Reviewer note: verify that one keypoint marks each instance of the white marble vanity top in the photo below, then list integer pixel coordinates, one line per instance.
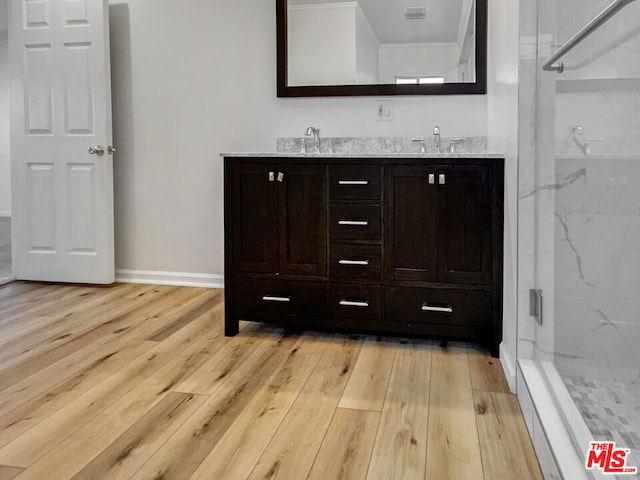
(375, 147)
(360, 155)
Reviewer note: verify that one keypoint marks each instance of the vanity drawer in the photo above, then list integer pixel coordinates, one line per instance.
(279, 297)
(355, 260)
(438, 306)
(354, 222)
(354, 182)
(355, 301)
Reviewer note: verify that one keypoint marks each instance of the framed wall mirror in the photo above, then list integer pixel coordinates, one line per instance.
(381, 47)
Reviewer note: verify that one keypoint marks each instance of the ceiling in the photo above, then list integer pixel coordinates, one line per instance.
(387, 19)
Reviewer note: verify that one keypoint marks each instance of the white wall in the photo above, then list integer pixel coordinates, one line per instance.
(502, 129)
(5, 173)
(195, 78)
(418, 59)
(349, 55)
(366, 50)
(4, 23)
(467, 62)
(315, 57)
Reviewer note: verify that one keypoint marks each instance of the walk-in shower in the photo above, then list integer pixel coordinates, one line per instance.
(579, 225)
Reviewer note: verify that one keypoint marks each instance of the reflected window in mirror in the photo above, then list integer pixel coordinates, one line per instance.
(381, 47)
(420, 80)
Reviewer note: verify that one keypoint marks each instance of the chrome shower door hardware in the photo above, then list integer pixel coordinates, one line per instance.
(553, 64)
(535, 304)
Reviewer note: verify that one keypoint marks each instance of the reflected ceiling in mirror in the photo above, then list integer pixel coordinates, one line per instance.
(381, 47)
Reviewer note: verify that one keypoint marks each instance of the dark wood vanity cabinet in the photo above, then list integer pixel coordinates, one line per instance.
(437, 224)
(277, 226)
(411, 246)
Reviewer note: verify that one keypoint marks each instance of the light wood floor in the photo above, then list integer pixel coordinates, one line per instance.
(138, 381)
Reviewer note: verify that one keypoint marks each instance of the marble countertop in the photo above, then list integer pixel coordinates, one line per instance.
(360, 155)
(373, 147)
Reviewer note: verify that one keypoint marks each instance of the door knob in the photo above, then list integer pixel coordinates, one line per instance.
(97, 150)
(111, 150)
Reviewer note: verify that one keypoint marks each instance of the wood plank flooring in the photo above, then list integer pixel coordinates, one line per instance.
(139, 382)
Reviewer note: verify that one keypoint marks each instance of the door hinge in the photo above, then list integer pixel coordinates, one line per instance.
(535, 304)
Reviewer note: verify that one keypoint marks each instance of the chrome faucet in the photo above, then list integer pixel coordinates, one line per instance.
(316, 138)
(453, 143)
(575, 131)
(436, 138)
(423, 146)
(584, 147)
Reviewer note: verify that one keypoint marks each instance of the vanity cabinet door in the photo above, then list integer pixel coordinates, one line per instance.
(464, 224)
(410, 213)
(438, 223)
(303, 219)
(254, 206)
(279, 218)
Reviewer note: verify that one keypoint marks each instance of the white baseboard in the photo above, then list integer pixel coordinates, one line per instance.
(509, 368)
(181, 279)
(5, 214)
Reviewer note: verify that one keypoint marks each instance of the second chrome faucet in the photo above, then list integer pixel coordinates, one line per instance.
(436, 139)
(585, 146)
(316, 138)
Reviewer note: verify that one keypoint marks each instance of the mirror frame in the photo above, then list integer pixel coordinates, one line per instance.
(478, 87)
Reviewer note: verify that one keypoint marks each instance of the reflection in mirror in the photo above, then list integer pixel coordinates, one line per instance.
(380, 41)
(390, 43)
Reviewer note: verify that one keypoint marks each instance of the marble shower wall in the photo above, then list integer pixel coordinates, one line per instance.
(596, 251)
(608, 112)
(579, 215)
(597, 267)
(597, 226)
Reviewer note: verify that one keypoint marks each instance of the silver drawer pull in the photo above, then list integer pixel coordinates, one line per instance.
(270, 298)
(344, 261)
(353, 303)
(353, 182)
(357, 223)
(427, 308)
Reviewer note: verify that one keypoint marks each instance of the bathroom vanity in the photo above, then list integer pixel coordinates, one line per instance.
(398, 244)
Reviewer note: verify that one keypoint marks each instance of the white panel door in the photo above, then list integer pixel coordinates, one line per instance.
(60, 111)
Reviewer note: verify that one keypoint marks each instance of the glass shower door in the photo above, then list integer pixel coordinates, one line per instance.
(586, 197)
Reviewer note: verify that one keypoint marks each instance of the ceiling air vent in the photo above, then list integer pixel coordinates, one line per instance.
(415, 13)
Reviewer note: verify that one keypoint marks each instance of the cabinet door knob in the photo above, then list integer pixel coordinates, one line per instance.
(441, 179)
(272, 176)
(428, 308)
(280, 177)
(432, 179)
